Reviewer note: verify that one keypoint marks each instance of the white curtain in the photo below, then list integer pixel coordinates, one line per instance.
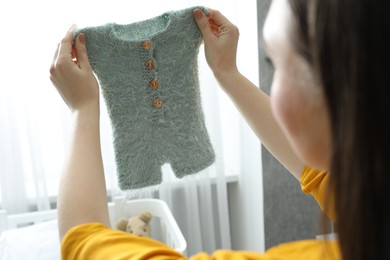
(34, 121)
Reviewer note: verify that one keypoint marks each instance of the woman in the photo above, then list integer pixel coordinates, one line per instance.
(326, 111)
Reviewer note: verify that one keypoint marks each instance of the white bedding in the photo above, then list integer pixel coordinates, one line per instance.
(35, 242)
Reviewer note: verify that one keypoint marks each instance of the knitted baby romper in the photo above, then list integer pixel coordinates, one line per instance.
(148, 75)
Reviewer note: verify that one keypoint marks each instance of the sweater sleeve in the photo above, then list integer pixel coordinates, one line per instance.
(94, 241)
(316, 183)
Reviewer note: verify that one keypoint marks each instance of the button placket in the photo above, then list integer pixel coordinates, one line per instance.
(150, 65)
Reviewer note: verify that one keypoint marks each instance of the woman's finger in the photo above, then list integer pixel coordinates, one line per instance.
(204, 25)
(66, 45)
(54, 58)
(217, 17)
(81, 52)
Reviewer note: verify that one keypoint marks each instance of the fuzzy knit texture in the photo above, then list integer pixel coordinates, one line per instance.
(148, 74)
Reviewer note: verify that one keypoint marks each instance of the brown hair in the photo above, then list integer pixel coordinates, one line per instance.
(347, 43)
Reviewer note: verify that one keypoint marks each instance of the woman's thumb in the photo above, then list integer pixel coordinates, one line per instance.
(81, 51)
(203, 24)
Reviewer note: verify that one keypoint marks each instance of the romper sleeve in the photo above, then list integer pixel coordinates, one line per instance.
(316, 183)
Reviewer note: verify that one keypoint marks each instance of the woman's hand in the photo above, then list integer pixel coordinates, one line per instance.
(220, 38)
(72, 74)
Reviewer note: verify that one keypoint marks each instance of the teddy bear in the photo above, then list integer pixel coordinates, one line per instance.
(138, 225)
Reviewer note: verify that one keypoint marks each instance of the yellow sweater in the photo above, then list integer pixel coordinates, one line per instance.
(95, 241)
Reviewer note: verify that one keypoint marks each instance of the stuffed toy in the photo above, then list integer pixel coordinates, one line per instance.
(137, 225)
(148, 74)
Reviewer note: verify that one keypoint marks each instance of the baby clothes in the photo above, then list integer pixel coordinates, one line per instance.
(148, 75)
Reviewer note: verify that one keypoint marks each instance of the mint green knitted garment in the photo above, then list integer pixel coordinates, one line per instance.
(148, 75)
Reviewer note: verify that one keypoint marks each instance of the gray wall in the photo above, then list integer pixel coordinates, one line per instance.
(289, 214)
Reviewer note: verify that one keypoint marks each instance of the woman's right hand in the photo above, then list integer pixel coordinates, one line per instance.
(220, 37)
(72, 75)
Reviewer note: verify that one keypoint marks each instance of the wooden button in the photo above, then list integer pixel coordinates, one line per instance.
(150, 64)
(157, 103)
(154, 84)
(146, 45)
